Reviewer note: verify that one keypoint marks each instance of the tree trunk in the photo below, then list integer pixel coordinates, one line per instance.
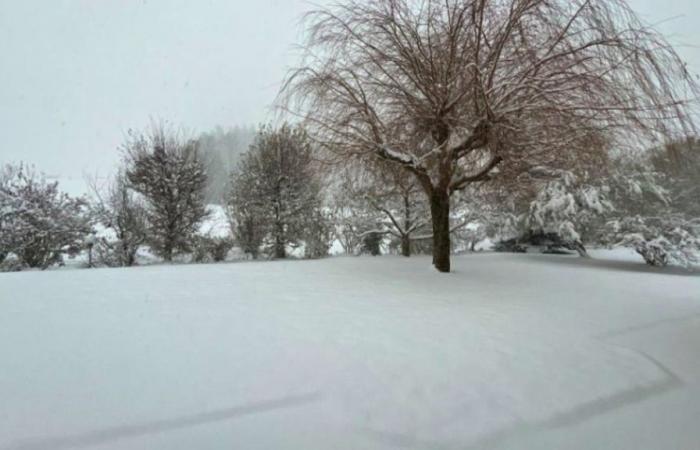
(582, 250)
(128, 255)
(405, 245)
(280, 252)
(440, 212)
(168, 252)
(405, 238)
(170, 238)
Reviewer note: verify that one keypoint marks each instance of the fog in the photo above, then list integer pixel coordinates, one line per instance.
(76, 75)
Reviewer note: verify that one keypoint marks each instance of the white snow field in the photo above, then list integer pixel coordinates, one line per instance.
(508, 352)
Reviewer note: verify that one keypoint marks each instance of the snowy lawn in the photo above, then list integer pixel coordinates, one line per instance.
(509, 351)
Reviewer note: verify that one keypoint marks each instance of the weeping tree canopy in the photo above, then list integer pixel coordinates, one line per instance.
(461, 91)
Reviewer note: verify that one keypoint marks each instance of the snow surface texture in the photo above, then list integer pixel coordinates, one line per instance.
(509, 351)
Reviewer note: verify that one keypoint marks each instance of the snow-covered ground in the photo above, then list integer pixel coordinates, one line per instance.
(508, 352)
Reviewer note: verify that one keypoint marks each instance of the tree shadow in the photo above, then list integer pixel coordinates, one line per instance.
(107, 435)
(612, 264)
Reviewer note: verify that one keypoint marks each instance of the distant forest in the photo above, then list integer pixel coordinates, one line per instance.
(220, 151)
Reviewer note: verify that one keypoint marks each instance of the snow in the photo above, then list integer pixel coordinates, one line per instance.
(216, 224)
(509, 351)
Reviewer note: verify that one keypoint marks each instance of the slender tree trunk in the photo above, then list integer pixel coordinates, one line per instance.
(582, 250)
(170, 237)
(280, 252)
(405, 238)
(128, 254)
(169, 246)
(124, 252)
(168, 252)
(440, 212)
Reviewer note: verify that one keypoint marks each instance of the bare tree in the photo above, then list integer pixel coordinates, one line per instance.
(396, 197)
(460, 91)
(116, 207)
(350, 215)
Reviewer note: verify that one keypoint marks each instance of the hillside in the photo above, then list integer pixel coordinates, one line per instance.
(509, 351)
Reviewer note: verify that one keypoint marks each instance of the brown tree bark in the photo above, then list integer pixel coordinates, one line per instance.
(440, 212)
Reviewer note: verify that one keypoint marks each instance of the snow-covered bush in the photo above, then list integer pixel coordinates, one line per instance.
(648, 219)
(38, 223)
(106, 253)
(659, 240)
(211, 248)
(565, 209)
(11, 264)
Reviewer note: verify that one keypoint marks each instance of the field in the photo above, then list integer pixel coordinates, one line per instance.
(507, 352)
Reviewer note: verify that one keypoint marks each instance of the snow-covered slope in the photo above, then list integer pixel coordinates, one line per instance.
(509, 351)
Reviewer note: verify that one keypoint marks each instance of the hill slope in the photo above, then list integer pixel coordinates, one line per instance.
(510, 351)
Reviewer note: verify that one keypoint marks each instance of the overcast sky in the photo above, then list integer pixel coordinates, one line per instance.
(76, 74)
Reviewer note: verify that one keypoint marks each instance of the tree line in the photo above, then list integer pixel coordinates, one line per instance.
(158, 200)
(282, 197)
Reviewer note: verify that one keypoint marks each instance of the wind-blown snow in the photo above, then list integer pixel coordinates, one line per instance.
(509, 351)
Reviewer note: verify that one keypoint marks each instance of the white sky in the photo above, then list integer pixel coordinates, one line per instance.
(76, 74)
